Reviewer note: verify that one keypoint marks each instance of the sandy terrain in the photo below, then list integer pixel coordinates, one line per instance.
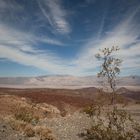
(58, 110)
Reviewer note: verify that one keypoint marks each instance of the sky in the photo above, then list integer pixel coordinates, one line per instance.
(61, 37)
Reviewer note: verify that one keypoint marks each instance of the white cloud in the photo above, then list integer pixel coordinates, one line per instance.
(55, 14)
(22, 46)
(9, 10)
(49, 41)
(23, 40)
(46, 61)
(125, 35)
(24, 58)
(19, 46)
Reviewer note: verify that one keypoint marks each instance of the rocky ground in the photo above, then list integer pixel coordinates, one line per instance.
(69, 127)
(63, 125)
(66, 127)
(7, 133)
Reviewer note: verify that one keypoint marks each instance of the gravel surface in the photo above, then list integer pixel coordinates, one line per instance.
(68, 128)
(7, 133)
(64, 128)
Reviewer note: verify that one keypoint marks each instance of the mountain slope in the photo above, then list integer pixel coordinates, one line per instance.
(63, 82)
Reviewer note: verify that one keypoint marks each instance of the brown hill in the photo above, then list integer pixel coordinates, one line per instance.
(59, 97)
(129, 93)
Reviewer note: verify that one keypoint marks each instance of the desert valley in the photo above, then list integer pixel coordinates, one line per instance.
(69, 69)
(56, 112)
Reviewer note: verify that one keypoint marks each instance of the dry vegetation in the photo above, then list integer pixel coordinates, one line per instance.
(55, 114)
(31, 130)
(24, 116)
(110, 124)
(34, 118)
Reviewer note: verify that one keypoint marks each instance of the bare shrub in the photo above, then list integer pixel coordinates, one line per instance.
(29, 130)
(111, 125)
(26, 114)
(25, 120)
(92, 110)
(17, 124)
(44, 133)
(63, 113)
(110, 68)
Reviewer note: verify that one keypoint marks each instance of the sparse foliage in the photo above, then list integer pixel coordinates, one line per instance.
(110, 67)
(111, 125)
(26, 114)
(44, 133)
(29, 131)
(26, 121)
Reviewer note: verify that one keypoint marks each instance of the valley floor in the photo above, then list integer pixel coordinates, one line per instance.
(65, 121)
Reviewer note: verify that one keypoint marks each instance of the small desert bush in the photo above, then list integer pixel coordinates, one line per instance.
(41, 132)
(92, 110)
(63, 113)
(25, 120)
(112, 124)
(29, 130)
(21, 126)
(44, 133)
(16, 124)
(26, 114)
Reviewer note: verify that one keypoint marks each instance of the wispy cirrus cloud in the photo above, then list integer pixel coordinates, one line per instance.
(23, 40)
(19, 47)
(11, 22)
(56, 15)
(46, 61)
(125, 35)
(10, 10)
(23, 47)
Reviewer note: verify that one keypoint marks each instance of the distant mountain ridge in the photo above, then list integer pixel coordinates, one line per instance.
(64, 81)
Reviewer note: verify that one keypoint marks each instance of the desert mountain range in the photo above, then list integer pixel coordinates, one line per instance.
(65, 81)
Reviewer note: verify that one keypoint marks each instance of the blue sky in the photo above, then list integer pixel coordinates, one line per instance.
(46, 37)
